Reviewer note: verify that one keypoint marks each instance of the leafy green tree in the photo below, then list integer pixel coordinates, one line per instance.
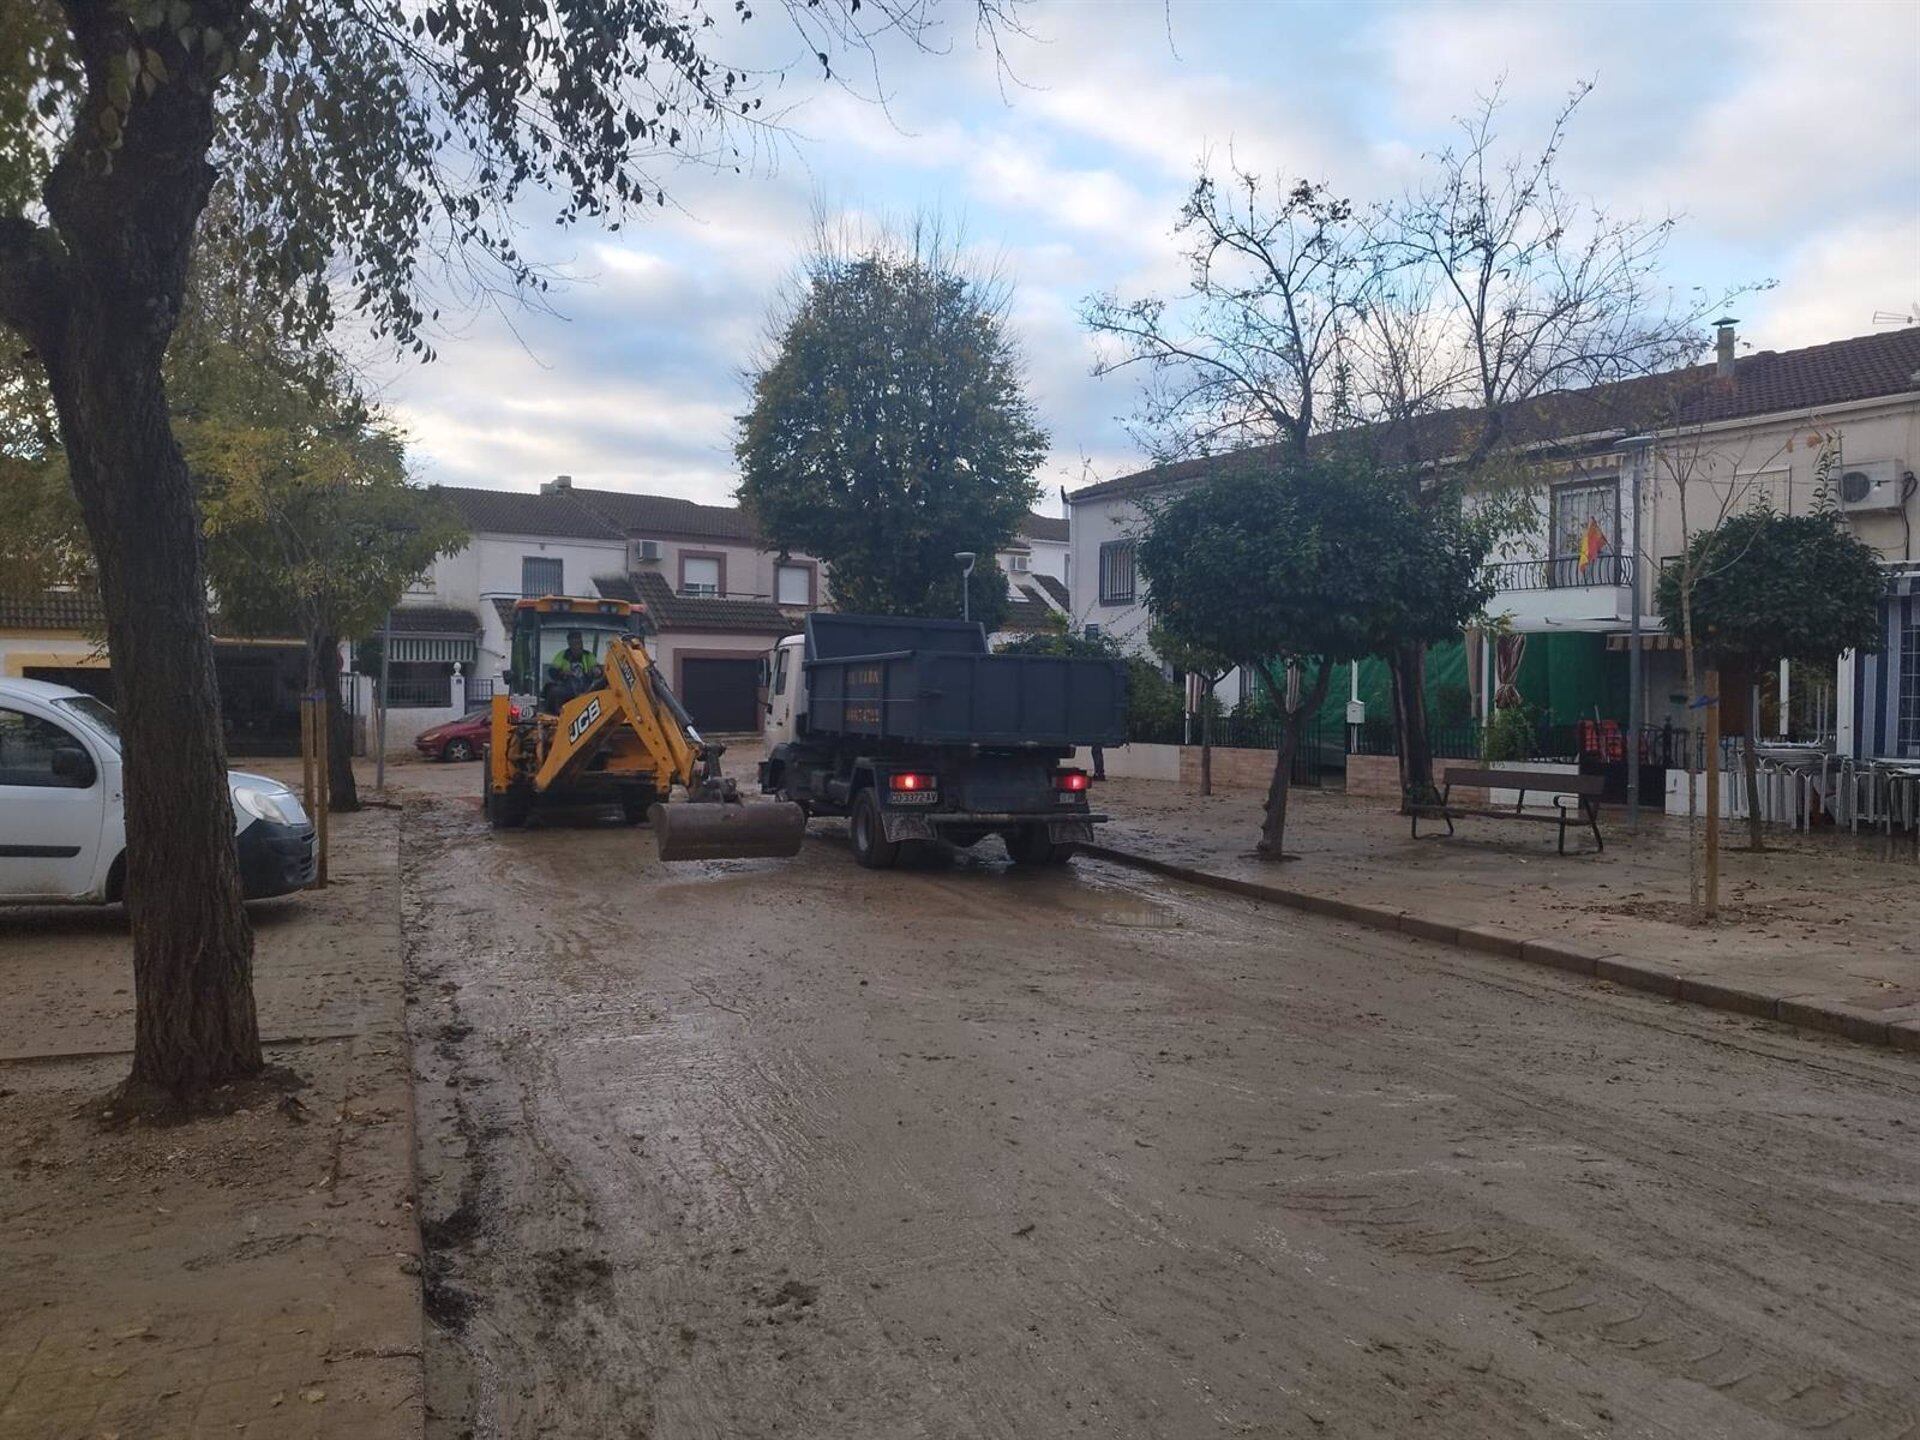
(42, 543)
(1212, 667)
(890, 430)
(311, 525)
(372, 149)
(1306, 564)
(1767, 587)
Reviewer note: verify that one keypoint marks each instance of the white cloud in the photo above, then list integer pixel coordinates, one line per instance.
(1790, 134)
(1834, 283)
(1823, 114)
(1439, 60)
(1016, 174)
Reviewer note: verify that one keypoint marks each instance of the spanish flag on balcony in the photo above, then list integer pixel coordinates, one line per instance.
(1593, 540)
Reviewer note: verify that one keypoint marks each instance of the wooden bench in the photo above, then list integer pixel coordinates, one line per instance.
(1575, 798)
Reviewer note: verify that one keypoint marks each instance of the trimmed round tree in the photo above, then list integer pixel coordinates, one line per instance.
(1767, 587)
(892, 429)
(1307, 563)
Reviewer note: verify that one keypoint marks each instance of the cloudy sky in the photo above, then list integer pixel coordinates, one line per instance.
(1786, 135)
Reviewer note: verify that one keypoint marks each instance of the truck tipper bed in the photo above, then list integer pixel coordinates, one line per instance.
(920, 735)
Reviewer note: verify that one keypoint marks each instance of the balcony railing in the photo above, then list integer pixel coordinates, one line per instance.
(1562, 573)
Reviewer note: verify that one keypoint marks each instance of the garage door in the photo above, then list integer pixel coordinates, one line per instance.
(722, 696)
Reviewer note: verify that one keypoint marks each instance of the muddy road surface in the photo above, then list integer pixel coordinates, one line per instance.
(762, 1149)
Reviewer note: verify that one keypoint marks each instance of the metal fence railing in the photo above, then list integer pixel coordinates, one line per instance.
(434, 693)
(1561, 572)
(1466, 740)
(479, 690)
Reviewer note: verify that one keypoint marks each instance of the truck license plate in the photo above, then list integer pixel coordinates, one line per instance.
(914, 797)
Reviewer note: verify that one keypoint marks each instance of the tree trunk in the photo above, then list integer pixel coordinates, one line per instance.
(342, 790)
(1412, 745)
(194, 1022)
(1273, 828)
(1750, 762)
(1710, 904)
(1206, 744)
(97, 293)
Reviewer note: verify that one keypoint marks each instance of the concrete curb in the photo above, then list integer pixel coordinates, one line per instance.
(1633, 972)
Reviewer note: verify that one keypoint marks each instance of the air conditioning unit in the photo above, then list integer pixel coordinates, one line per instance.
(643, 552)
(1876, 485)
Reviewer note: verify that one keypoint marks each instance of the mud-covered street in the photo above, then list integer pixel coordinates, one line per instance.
(790, 1148)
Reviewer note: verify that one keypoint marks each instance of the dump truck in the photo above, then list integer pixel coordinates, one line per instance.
(589, 721)
(920, 736)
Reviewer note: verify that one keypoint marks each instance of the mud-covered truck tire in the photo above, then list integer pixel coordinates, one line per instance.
(869, 830)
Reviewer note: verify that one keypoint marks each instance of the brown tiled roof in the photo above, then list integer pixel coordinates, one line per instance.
(519, 512)
(669, 611)
(53, 610)
(1044, 527)
(643, 516)
(434, 620)
(1771, 382)
(81, 610)
(616, 587)
(1056, 588)
(1027, 612)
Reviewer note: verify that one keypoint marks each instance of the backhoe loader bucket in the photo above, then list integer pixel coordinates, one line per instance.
(708, 830)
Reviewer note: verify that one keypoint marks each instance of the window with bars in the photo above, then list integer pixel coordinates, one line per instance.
(1579, 510)
(1910, 683)
(1116, 572)
(542, 575)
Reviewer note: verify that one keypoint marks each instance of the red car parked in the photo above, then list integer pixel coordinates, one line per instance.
(460, 739)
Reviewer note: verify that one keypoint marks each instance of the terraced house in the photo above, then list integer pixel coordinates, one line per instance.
(716, 595)
(1606, 473)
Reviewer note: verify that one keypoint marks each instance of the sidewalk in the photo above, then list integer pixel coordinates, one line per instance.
(1820, 930)
(251, 1276)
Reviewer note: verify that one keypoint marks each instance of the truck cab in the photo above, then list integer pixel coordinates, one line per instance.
(786, 690)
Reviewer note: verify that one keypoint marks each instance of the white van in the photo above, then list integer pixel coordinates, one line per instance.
(63, 828)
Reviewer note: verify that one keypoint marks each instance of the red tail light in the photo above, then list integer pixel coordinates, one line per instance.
(1073, 780)
(910, 781)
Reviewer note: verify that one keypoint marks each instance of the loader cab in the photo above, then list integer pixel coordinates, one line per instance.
(541, 627)
(786, 690)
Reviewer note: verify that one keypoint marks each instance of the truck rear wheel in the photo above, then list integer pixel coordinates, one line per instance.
(1033, 845)
(870, 844)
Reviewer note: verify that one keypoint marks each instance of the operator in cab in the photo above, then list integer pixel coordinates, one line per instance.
(574, 671)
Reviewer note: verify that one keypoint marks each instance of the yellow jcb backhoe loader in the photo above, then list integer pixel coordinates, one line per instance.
(602, 727)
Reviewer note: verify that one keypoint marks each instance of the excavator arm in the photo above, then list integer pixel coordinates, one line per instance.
(633, 696)
(636, 722)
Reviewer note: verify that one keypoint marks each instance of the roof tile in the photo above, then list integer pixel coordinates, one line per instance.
(668, 611)
(1772, 382)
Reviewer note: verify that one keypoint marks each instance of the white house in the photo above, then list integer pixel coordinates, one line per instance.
(1769, 426)
(1036, 565)
(716, 597)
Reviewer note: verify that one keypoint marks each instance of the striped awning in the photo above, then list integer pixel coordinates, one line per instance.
(458, 649)
(1649, 640)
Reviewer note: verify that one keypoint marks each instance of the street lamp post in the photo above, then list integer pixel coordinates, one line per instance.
(966, 559)
(1636, 678)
